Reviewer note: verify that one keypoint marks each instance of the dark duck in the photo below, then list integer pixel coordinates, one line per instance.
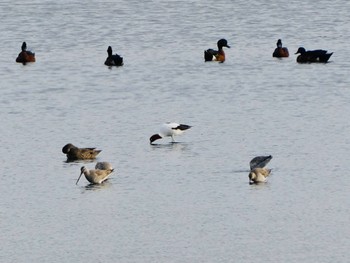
(280, 51)
(113, 60)
(216, 55)
(310, 56)
(25, 55)
(74, 153)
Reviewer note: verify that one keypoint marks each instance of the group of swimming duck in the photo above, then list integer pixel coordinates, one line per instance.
(26, 56)
(309, 56)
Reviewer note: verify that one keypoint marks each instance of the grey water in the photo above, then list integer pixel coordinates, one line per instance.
(189, 201)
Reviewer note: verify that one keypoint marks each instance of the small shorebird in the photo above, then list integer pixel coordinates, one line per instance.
(260, 161)
(74, 153)
(259, 175)
(95, 176)
(169, 129)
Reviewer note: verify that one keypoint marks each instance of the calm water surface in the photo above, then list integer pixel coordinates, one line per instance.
(183, 202)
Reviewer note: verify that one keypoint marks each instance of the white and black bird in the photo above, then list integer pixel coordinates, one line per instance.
(169, 129)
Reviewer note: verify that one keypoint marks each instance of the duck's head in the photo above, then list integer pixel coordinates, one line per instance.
(154, 137)
(223, 43)
(24, 46)
(252, 176)
(83, 169)
(279, 43)
(301, 50)
(67, 148)
(109, 51)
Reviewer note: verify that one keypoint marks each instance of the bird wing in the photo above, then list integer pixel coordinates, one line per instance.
(181, 127)
(260, 161)
(103, 174)
(212, 52)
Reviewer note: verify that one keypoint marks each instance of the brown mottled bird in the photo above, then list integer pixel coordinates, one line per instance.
(74, 153)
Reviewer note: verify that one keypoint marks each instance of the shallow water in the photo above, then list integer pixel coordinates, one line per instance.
(183, 202)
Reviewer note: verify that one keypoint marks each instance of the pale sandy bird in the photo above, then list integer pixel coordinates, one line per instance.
(169, 129)
(74, 153)
(95, 176)
(259, 175)
(260, 161)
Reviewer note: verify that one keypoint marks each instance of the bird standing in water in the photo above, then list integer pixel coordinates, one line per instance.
(258, 172)
(169, 129)
(95, 176)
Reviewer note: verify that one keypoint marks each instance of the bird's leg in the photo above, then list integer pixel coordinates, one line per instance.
(172, 139)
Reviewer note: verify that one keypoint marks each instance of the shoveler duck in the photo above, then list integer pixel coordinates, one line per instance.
(216, 55)
(74, 153)
(113, 60)
(25, 55)
(280, 52)
(310, 56)
(169, 129)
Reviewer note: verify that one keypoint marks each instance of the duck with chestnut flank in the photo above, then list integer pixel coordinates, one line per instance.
(280, 52)
(25, 55)
(216, 55)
